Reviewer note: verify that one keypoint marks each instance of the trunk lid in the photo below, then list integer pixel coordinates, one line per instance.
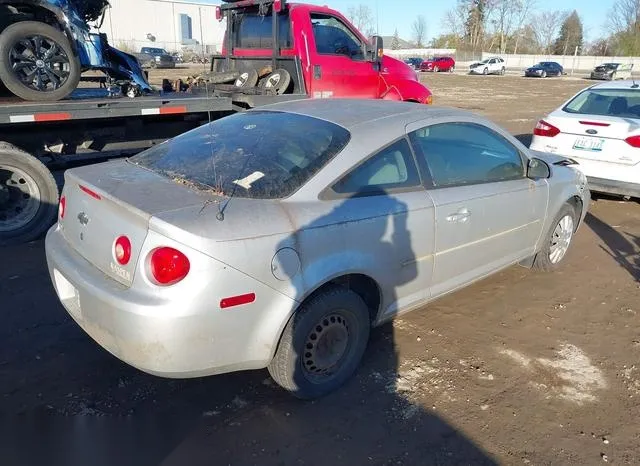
(597, 137)
(106, 201)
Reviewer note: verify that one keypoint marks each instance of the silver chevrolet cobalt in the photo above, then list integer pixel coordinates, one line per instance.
(278, 237)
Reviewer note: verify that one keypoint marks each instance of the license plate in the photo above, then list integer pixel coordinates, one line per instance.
(590, 144)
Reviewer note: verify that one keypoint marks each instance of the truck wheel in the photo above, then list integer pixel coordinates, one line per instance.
(247, 79)
(28, 196)
(37, 62)
(323, 343)
(279, 81)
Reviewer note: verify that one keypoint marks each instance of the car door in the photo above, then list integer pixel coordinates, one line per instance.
(392, 218)
(488, 214)
(339, 68)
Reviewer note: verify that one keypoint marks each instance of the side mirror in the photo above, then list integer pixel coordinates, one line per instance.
(538, 169)
(374, 50)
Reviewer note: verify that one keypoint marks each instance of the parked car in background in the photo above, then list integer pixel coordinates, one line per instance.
(600, 128)
(277, 237)
(495, 65)
(414, 62)
(544, 69)
(153, 57)
(438, 64)
(611, 71)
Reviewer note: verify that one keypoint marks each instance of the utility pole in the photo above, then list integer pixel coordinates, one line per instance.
(575, 54)
(377, 17)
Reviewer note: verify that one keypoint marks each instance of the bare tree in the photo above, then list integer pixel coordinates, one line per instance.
(526, 8)
(363, 18)
(547, 24)
(625, 16)
(455, 18)
(419, 31)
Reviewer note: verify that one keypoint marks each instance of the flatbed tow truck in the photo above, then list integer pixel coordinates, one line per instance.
(273, 51)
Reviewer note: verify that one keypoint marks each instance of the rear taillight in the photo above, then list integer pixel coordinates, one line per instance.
(62, 207)
(633, 141)
(545, 129)
(168, 266)
(122, 250)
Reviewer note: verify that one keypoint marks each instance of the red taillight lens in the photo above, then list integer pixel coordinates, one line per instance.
(633, 141)
(168, 265)
(62, 207)
(277, 6)
(122, 250)
(545, 129)
(91, 193)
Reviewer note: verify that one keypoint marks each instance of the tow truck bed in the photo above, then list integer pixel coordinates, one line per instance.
(87, 104)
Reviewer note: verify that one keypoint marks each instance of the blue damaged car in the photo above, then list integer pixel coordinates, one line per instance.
(45, 46)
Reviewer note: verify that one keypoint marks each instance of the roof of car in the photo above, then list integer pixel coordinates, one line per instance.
(624, 84)
(350, 113)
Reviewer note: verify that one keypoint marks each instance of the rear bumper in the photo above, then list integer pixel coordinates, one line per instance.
(621, 188)
(173, 335)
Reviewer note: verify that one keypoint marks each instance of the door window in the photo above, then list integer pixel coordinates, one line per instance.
(466, 153)
(333, 37)
(391, 168)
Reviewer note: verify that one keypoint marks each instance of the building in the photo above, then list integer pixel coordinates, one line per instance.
(176, 25)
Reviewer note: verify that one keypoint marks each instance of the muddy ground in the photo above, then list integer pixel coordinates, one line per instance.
(521, 368)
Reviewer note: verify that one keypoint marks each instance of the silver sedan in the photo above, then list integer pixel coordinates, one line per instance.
(278, 237)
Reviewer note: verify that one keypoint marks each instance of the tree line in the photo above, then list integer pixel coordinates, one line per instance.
(517, 26)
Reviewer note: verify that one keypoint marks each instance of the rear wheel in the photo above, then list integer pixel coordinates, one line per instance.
(37, 62)
(557, 240)
(544, 74)
(436, 69)
(502, 71)
(322, 344)
(28, 196)
(485, 71)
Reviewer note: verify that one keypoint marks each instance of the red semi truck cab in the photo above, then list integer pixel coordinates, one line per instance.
(324, 55)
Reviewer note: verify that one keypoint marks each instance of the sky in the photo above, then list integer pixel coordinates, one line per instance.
(392, 16)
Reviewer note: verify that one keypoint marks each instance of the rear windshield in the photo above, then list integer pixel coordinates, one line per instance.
(610, 102)
(258, 155)
(256, 32)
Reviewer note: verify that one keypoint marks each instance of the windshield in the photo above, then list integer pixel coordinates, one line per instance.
(150, 50)
(258, 155)
(606, 102)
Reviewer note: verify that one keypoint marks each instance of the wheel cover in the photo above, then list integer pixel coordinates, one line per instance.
(326, 347)
(242, 79)
(19, 198)
(40, 63)
(561, 239)
(273, 80)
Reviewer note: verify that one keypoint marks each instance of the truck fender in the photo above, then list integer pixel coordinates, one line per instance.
(407, 90)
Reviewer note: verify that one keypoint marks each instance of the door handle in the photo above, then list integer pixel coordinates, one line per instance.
(460, 216)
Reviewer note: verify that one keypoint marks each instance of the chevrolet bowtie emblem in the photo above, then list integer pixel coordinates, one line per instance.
(83, 218)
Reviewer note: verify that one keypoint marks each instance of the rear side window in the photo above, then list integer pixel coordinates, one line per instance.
(466, 153)
(391, 168)
(256, 32)
(611, 102)
(257, 155)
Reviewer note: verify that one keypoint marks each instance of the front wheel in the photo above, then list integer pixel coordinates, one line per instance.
(502, 71)
(436, 69)
(323, 343)
(557, 240)
(544, 74)
(485, 71)
(37, 62)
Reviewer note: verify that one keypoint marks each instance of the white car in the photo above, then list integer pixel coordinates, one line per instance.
(600, 128)
(495, 65)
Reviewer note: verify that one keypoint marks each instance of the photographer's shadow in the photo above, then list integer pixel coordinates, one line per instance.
(366, 420)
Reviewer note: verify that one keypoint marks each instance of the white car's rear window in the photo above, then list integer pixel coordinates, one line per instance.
(609, 102)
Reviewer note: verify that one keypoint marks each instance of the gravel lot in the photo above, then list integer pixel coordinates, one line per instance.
(521, 368)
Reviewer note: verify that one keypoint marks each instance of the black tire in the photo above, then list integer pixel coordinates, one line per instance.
(247, 79)
(544, 74)
(18, 31)
(20, 171)
(294, 364)
(222, 77)
(485, 71)
(436, 69)
(502, 71)
(543, 259)
(279, 80)
(452, 69)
